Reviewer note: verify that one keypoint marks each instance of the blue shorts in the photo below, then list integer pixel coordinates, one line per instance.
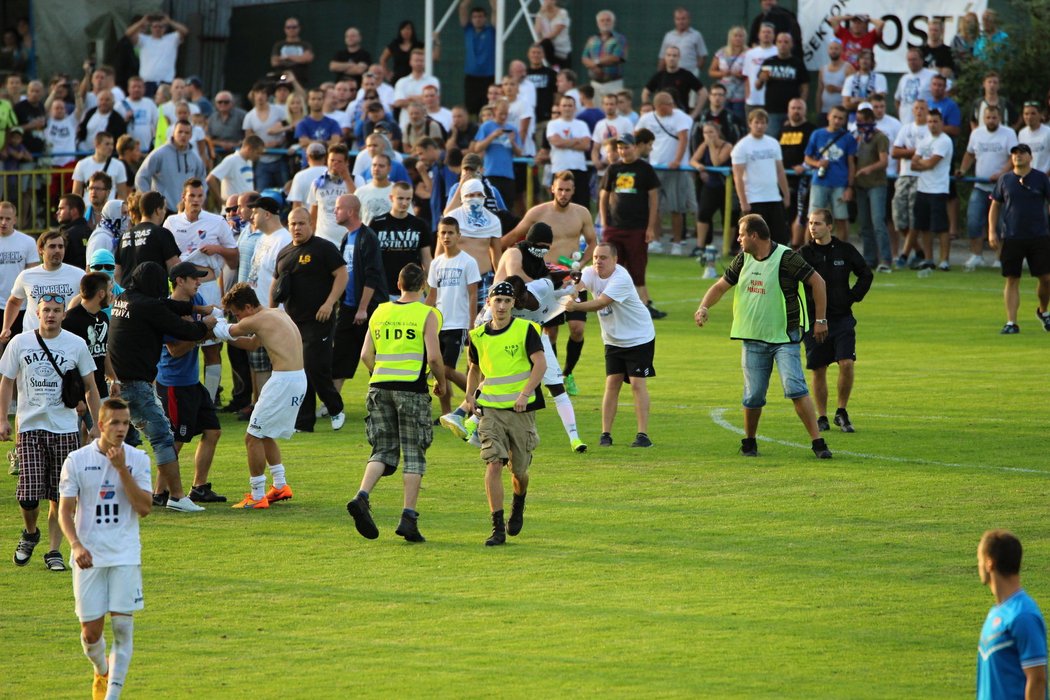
(821, 197)
(148, 415)
(756, 359)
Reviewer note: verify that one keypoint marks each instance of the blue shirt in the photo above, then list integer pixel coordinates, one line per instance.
(499, 158)
(322, 130)
(183, 370)
(397, 173)
(347, 250)
(480, 58)
(246, 250)
(442, 178)
(1013, 638)
(950, 112)
(1024, 205)
(837, 155)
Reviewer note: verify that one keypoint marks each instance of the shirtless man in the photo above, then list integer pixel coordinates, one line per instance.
(278, 405)
(568, 221)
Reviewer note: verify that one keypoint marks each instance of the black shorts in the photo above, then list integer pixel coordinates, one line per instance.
(773, 214)
(636, 361)
(841, 343)
(931, 212)
(560, 319)
(189, 410)
(1013, 251)
(451, 343)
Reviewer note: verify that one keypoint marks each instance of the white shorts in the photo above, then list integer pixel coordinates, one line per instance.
(212, 296)
(553, 374)
(278, 405)
(104, 589)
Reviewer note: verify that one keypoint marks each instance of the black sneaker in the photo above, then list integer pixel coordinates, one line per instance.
(26, 544)
(926, 265)
(1044, 318)
(409, 529)
(842, 421)
(605, 440)
(53, 561)
(517, 515)
(359, 509)
(822, 423)
(820, 449)
(654, 312)
(160, 499)
(642, 440)
(1010, 329)
(749, 447)
(204, 494)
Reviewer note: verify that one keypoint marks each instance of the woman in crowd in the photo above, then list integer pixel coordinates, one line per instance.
(728, 69)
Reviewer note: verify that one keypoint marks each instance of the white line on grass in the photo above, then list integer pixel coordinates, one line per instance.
(718, 416)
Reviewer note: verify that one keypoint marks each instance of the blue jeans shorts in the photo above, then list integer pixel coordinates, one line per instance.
(757, 358)
(148, 415)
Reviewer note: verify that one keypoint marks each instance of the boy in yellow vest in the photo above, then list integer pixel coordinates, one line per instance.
(508, 353)
(402, 342)
(770, 316)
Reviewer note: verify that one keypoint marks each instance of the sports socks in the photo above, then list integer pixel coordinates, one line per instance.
(277, 473)
(563, 403)
(96, 653)
(573, 350)
(212, 376)
(258, 487)
(460, 412)
(120, 657)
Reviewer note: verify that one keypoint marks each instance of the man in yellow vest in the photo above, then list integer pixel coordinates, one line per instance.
(402, 342)
(770, 316)
(508, 353)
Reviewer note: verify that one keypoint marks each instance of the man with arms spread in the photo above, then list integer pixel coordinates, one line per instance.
(770, 316)
(278, 405)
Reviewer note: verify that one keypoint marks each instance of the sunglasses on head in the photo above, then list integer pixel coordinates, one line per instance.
(103, 266)
(57, 298)
(1032, 103)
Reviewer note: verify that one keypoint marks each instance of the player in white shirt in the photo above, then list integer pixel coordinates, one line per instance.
(933, 162)
(105, 488)
(1037, 135)
(326, 188)
(629, 336)
(51, 277)
(204, 239)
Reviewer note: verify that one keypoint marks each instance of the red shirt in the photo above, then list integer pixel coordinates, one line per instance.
(853, 45)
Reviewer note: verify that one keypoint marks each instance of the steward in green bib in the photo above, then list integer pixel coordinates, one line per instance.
(770, 316)
(402, 343)
(506, 368)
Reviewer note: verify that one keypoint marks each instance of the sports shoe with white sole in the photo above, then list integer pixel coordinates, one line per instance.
(710, 273)
(26, 544)
(677, 249)
(973, 262)
(1044, 318)
(656, 248)
(338, 420)
(943, 266)
(454, 423)
(53, 561)
(578, 445)
(183, 505)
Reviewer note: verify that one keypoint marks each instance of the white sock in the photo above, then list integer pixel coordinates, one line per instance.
(212, 376)
(567, 415)
(472, 418)
(258, 487)
(97, 654)
(120, 657)
(277, 472)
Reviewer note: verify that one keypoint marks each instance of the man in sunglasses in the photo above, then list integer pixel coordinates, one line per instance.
(1020, 197)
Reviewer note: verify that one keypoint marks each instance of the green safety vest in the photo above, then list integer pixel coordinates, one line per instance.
(504, 362)
(759, 306)
(397, 333)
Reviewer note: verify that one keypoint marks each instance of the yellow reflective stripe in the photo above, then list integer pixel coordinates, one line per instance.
(520, 376)
(399, 357)
(391, 371)
(500, 398)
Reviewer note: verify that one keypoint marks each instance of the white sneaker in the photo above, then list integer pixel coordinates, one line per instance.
(322, 411)
(474, 440)
(677, 249)
(183, 505)
(997, 265)
(973, 262)
(710, 273)
(454, 423)
(338, 420)
(943, 266)
(656, 248)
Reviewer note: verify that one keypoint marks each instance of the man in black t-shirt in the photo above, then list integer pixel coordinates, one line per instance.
(543, 78)
(403, 237)
(935, 53)
(311, 276)
(794, 136)
(352, 60)
(679, 82)
(148, 241)
(784, 77)
(88, 321)
(629, 207)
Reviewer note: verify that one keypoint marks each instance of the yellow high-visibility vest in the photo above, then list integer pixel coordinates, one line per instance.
(504, 362)
(397, 333)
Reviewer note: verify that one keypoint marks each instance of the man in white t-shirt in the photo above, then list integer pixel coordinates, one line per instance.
(204, 239)
(913, 85)
(1037, 135)
(60, 136)
(158, 50)
(105, 488)
(988, 150)
(608, 127)
(316, 155)
(51, 277)
(671, 128)
(235, 174)
(325, 190)
(102, 160)
(432, 102)
(17, 253)
(140, 112)
(933, 162)
(628, 334)
(570, 141)
(759, 177)
(375, 195)
(410, 88)
(263, 270)
(753, 59)
(47, 428)
(906, 186)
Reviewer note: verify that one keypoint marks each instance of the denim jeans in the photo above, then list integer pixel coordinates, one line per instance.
(977, 213)
(757, 358)
(270, 175)
(871, 212)
(148, 415)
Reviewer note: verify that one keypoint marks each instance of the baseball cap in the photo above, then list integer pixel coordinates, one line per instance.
(268, 204)
(102, 257)
(501, 289)
(195, 81)
(472, 160)
(1022, 148)
(186, 269)
(316, 149)
(627, 139)
(865, 105)
(385, 126)
(472, 187)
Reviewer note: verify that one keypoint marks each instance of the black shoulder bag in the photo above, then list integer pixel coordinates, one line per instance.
(72, 383)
